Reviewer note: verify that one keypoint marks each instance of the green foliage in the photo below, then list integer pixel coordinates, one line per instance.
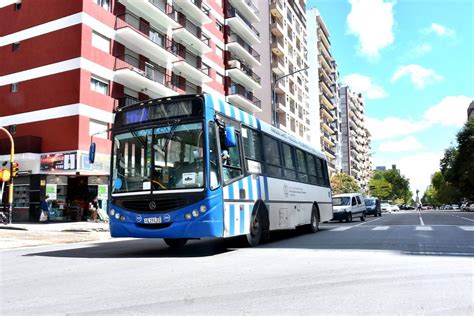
(343, 183)
(390, 185)
(381, 188)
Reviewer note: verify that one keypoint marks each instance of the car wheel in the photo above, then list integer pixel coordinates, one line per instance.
(175, 242)
(349, 217)
(362, 218)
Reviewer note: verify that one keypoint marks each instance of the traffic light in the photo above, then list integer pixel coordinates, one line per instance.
(5, 175)
(15, 168)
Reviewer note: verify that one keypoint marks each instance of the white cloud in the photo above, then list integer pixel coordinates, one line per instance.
(422, 49)
(440, 30)
(451, 111)
(419, 75)
(371, 21)
(364, 85)
(391, 127)
(409, 143)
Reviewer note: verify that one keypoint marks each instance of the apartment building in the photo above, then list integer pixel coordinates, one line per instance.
(66, 65)
(324, 99)
(356, 160)
(289, 56)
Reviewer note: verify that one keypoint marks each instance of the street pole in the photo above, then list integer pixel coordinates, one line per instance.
(10, 184)
(274, 92)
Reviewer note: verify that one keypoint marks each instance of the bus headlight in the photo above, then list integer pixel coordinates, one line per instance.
(188, 216)
(112, 212)
(203, 208)
(117, 216)
(122, 218)
(195, 213)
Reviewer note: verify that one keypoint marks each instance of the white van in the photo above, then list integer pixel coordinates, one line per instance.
(348, 206)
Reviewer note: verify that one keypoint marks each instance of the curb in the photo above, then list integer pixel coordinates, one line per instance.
(12, 228)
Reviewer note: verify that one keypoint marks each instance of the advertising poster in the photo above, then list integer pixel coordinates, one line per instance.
(103, 192)
(51, 191)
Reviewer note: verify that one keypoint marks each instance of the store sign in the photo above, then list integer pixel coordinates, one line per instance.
(52, 191)
(58, 161)
(103, 192)
(101, 163)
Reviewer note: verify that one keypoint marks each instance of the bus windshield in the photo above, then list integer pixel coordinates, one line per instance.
(339, 201)
(162, 158)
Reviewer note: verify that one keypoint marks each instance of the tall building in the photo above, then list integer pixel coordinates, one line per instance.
(66, 65)
(356, 160)
(288, 56)
(324, 98)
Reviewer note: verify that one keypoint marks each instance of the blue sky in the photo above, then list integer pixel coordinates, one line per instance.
(413, 61)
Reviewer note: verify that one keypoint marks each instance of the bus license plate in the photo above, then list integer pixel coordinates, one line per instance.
(152, 220)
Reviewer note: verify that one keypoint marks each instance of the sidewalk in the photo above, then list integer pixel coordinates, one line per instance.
(36, 234)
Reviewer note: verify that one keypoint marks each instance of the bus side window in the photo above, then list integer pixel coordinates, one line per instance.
(311, 169)
(319, 171)
(232, 167)
(252, 144)
(302, 170)
(272, 156)
(290, 166)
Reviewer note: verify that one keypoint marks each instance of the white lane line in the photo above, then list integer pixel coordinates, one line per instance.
(381, 228)
(423, 228)
(421, 220)
(467, 228)
(467, 219)
(340, 229)
(363, 223)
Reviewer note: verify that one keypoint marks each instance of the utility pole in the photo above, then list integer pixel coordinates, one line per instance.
(10, 183)
(274, 92)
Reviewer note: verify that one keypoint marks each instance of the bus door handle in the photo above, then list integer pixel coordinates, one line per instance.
(242, 194)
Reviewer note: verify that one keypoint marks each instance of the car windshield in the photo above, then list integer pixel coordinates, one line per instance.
(338, 201)
(369, 202)
(163, 158)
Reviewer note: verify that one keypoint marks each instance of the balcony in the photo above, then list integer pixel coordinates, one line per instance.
(241, 26)
(328, 151)
(325, 113)
(237, 46)
(278, 46)
(325, 88)
(158, 12)
(243, 74)
(150, 43)
(276, 8)
(277, 27)
(247, 8)
(243, 99)
(278, 66)
(194, 9)
(324, 50)
(281, 104)
(325, 63)
(191, 36)
(326, 125)
(324, 99)
(191, 68)
(145, 78)
(280, 87)
(322, 37)
(326, 139)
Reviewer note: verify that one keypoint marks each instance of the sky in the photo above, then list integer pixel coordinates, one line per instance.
(413, 61)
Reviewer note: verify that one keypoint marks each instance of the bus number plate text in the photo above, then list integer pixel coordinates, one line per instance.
(152, 220)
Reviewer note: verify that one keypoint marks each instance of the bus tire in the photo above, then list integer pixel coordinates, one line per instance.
(175, 242)
(258, 227)
(313, 227)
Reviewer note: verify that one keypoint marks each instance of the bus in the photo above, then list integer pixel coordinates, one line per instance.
(193, 166)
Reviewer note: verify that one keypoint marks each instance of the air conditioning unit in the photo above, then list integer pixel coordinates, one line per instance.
(234, 63)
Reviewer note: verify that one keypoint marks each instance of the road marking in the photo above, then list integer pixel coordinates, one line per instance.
(467, 219)
(340, 229)
(421, 220)
(467, 228)
(424, 228)
(381, 228)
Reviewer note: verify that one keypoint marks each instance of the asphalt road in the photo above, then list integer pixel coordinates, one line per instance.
(403, 263)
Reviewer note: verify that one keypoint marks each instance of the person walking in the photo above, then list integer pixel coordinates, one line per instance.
(44, 207)
(93, 208)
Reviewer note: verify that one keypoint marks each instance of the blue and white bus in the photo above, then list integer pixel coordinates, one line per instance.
(194, 166)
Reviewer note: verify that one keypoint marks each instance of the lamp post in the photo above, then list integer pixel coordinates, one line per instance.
(274, 93)
(10, 185)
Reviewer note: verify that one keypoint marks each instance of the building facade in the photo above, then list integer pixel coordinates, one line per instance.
(66, 65)
(289, 67)
(324, 98)
(356, 160)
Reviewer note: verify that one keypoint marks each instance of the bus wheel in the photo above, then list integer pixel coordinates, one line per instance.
(255, 235)
(313, 227)
(175, 242)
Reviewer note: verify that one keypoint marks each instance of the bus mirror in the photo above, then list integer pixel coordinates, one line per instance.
(230, 140)
(92, 153)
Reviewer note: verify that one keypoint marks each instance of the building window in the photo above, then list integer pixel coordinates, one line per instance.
(219, 78)
(15, 46)
(104, 4)
(219, 26)
(219, 52)
(101, 42)
(99, 86)
(98, 128)
(14, 87)
(17, 6)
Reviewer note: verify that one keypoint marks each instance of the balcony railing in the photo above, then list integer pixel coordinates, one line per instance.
(201, 6)
(329, 150)
(194, 30)
(133, 22)
(236, 89)
(245, 69)
(193, 60)
(234, 38)
(133, 64)
(233, 13)
(163, 6)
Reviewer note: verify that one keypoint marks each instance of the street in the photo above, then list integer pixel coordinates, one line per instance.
(401, 263)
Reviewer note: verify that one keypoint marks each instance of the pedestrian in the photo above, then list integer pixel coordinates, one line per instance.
(44, 207)
(93, 208)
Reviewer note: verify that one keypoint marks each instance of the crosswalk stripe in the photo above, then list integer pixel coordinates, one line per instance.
(424, 228)
(467, 228)
(340, 229)
(381, 228)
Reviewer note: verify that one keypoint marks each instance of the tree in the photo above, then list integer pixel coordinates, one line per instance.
(343, 183)
(398, 186)
(380, 188)
(461, 174)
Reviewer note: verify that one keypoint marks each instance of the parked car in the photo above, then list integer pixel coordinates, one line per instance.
(471, 208)
(347, 206)
(372, 207)
(389, 207)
